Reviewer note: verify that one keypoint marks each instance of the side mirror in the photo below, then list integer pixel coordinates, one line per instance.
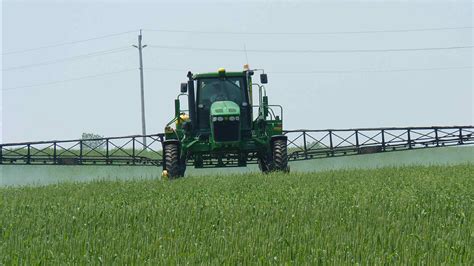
(184, 87)
(263, 78)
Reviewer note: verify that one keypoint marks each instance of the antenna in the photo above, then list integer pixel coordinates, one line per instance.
(246, 56)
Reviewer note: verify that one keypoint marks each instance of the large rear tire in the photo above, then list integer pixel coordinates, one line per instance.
(280, 156)
(172, 165)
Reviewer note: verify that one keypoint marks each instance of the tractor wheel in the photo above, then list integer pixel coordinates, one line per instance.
(172, 162)
(280, 156)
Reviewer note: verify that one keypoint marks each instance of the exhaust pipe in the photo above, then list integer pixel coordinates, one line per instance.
(191, 101)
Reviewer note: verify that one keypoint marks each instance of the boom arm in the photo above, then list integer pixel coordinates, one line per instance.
(303, 144)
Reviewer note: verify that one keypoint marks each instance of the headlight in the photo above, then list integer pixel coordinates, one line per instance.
(237, 118)
(232, 118)
(214, 119)
(220, 119)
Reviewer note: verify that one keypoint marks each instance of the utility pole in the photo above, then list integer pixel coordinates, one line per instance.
(142, 89)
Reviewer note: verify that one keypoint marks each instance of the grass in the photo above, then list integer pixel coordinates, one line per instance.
(404, 215)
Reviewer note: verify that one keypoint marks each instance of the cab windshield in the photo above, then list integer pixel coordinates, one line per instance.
(213, 89)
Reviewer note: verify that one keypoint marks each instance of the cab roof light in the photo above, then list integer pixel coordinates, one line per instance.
(221, 71)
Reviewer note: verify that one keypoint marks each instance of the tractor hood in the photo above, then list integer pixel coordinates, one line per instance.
(225, 108)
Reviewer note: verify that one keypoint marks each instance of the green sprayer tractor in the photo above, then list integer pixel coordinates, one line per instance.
(220, 128)
(223, 127)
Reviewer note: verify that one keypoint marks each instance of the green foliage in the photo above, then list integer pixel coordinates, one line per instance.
(91, 142)
(406, 215)
(313, 145)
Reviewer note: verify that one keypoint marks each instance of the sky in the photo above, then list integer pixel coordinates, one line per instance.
(69, 67)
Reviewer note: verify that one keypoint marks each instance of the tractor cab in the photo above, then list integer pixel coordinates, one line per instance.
(223, 102)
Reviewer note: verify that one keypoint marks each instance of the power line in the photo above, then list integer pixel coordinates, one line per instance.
(335, 71)
(272, 72)
(308, 33)
(73, 58)
(66, 43)
(121, 49)
(369, 70)
(234, 33)
(167, 69)
(311, 51)
(69, 80)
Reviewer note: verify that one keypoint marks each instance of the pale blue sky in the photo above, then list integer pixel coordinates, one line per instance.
(109, 105)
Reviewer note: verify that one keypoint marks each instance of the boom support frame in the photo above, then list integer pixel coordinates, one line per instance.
(303, 144)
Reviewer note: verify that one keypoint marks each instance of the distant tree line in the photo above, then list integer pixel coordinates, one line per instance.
(89, 142)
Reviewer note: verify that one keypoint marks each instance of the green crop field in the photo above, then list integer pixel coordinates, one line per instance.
(403, 215)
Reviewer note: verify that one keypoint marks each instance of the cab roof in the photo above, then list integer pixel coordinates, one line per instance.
(217, 74)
